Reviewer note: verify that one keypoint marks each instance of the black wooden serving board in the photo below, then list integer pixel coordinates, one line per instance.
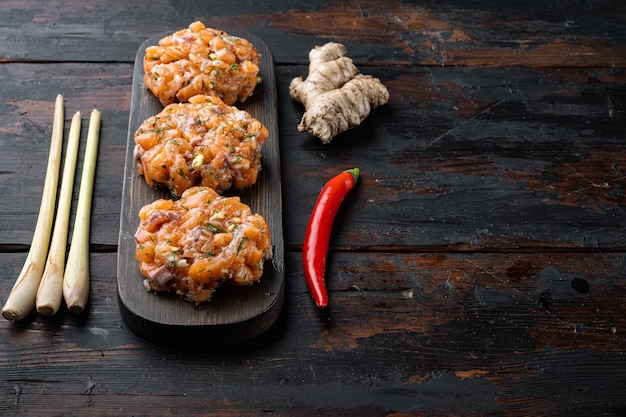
(233, 315)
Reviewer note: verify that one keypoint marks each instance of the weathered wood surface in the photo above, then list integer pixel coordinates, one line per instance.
(551, 34)
(465, 157)
(477, 269)
(414, 334)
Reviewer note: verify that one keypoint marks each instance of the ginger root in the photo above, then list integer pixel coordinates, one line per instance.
(335, 96)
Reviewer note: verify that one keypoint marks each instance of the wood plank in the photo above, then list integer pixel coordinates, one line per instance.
(431, 33)
(556, 300)
(492, 334)
(466, 158)
(472, 159)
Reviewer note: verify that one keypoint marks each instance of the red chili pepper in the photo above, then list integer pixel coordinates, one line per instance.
(318, 231)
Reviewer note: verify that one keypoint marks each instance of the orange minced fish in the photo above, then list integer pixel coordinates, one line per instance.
(204, 142)
(193, 245)
(200, 60)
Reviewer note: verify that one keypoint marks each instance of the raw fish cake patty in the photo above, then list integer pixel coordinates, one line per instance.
(192, 245)
(200, 60)
(204, 142)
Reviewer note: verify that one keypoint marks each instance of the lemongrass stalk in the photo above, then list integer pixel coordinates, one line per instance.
(21, 300)
(76, 277)
(50, 291)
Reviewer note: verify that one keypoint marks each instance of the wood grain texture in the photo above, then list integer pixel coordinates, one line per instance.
(557, 34)
(25, 129)
(490, 334)
(476, 270)
(473, 158)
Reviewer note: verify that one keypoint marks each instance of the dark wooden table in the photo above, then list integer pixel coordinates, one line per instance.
(478, 269)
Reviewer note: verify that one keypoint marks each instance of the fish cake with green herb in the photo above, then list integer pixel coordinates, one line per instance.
(193, 245)
(204, 142)
(201, 60)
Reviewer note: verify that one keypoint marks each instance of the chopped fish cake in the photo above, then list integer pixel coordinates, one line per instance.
(193, 245)
(204, 142)
(200, 60)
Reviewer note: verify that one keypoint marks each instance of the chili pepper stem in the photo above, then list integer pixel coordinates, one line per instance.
(355, 173)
